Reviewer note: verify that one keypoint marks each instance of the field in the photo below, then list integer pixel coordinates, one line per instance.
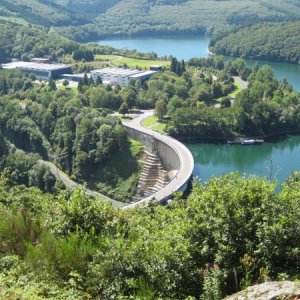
(237, 89)
(153, 123)
(117, 60)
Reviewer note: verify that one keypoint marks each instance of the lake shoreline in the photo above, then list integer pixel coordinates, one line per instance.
(217, 140)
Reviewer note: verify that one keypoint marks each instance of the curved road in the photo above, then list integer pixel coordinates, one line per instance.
(185, 171)
(176, 184)
(72, 185)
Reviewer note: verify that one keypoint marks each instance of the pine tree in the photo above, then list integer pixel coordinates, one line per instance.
(4, 88)
(52, 85)
(98, 80)
(183, 66)
(80, 87)
(178, 69)
(85, 79)
(173, 65)
(91, 81)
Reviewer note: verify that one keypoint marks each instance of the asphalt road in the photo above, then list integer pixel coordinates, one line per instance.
(74, 185)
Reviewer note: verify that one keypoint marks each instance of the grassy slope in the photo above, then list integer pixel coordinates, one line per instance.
(130, 62)
(153, 123)
(118, 178)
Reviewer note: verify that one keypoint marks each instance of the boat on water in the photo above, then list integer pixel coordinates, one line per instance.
(245, 141)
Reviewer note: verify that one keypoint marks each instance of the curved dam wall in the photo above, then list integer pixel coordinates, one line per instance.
(168, 156)
(174, 156)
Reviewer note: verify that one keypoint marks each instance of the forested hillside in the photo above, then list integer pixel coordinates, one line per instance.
(24, 41)
(276, 42)
(95, 18)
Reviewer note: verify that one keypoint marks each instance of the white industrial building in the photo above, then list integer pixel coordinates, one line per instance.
(43, 71)
(120, 76)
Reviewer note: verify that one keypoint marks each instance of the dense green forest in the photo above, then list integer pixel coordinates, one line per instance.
(70, 128)
(230, 233)
(91, 19)
(276, 42)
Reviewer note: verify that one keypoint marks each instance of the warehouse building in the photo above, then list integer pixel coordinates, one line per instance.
(75, 77)
(120, 76)
(43, 71)
(143, 76)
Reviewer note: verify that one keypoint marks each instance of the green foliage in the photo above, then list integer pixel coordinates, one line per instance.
(230, 233)
(80, 54)
(266, 107)
(279, 42)
(25, 42)
(212, 284)
(71, 130)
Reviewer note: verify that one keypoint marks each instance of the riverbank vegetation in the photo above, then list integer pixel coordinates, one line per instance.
(204, 104)
(71, 246)
(273, 42)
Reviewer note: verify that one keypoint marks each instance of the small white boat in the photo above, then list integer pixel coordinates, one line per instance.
(243, 141)
(248, 142)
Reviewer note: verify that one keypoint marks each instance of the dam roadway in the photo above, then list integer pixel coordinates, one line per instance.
(184, 156)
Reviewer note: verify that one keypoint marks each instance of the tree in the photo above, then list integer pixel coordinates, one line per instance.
(173, 65)
(91, 81)
(183, 66)
(123, 108)
(65, 83)
(129, 96)
(98, 80)
(160, 109)
(52, 85)
(80, 86)
(4, 88)
(41, 177)
(85, 79)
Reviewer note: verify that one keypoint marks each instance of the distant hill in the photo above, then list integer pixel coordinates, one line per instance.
(276, 42)
(95, 18)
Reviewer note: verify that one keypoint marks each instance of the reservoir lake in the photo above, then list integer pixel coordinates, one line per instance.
(275, 160)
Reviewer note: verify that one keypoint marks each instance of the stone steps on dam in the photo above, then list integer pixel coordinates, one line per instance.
(153, 177)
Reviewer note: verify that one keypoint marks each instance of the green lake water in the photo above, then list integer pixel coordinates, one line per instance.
(276, 160)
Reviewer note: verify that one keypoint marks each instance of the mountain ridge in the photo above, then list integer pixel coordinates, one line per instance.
(98, 18)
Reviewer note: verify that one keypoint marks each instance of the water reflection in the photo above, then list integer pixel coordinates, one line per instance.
(276, 159)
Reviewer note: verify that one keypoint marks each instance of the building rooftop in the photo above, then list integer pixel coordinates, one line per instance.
(81, 75)
(142, 74)
(40, 59)
(116, 71)
(33, 66)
